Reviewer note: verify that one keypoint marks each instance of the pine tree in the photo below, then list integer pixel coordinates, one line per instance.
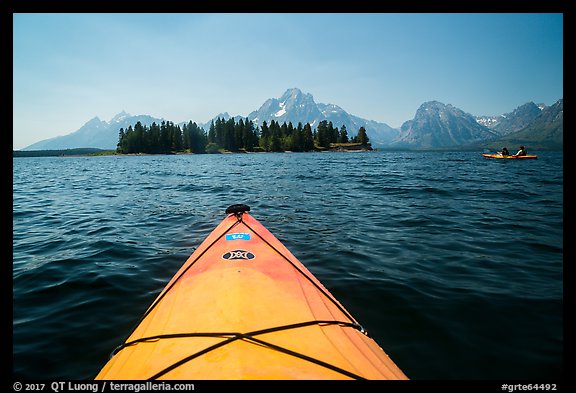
(165, 139)
(154, 138)
(265, 136)
(332, 134)
(248, 135)
(212, 133)
(308, 142)
(198, 138)
(343, 134)
(229, 138)
(275, 141)
(186, 136)
(176, 137)
(138, 140)
(219, 131)
(323, 136)
(298, 138)
(362, 137)
(129, 146)
(119, 146)
(285, 137)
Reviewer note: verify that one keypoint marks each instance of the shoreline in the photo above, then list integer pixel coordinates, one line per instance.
(95, 152)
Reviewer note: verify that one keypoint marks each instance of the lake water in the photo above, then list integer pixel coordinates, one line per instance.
(452, 262)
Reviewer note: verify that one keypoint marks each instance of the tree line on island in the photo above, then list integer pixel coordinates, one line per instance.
(229, 135)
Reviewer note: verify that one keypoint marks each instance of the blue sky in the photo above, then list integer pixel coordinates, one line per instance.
(69, 68)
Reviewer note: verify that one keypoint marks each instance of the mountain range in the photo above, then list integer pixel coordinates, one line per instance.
(434, 126)
(95, 133)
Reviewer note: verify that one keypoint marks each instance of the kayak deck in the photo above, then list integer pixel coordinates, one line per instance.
(498, 155)
(243, 307)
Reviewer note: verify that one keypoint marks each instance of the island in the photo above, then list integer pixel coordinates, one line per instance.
(238, 136)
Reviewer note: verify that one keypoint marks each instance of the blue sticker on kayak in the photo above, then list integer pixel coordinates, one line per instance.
(238, 236)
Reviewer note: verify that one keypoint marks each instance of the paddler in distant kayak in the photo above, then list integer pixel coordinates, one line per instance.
(521, 152)
(505, 152)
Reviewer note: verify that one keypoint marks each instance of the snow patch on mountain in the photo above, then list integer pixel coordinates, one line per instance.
(282, 110)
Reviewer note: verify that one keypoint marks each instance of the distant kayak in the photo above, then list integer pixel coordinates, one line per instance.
(243, 307)
(498, 155)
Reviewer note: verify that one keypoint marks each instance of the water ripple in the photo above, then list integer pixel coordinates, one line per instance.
(434, 253)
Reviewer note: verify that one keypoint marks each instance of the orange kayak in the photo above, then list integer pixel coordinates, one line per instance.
(243, 307)
(498, 155)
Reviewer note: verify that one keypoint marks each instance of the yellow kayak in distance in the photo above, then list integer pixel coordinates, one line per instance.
(244, 307)
(498, 155)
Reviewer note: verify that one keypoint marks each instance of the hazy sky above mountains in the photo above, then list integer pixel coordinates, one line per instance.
(69, 68)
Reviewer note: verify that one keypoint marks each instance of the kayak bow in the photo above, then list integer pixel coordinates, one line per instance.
(243, 307)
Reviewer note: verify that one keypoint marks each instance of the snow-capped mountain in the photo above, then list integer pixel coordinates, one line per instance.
(295, 106)
(516, 120)
(545, 131)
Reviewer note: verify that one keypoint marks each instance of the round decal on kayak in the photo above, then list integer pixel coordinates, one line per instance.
(238, 255)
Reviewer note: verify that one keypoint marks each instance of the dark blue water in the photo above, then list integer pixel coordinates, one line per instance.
(452, 262)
